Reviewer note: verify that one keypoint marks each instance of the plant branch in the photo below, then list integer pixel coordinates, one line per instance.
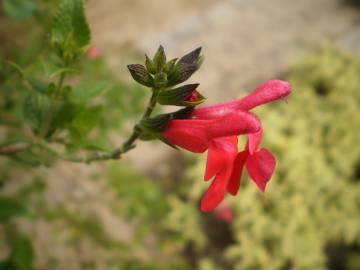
(15, 146)
(129, 143)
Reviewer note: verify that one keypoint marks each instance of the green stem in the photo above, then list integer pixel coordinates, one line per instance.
(129, 143)
(115, 154)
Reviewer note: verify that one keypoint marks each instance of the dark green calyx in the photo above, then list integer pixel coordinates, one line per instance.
(191, 57)
(160, 80)
(159, 123)
(141, 75)
(150, 65)
(182, 72)
(186, 95)
(159, 60)
(169, 66)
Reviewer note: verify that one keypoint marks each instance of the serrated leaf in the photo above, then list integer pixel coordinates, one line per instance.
(10, 208)
(70, 25)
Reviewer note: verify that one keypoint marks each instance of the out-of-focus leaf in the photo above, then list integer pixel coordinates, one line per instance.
(101, 144)
(19, 9)
(10, 208)
(84, 93)
(36, 107)
(22, 254)
(51, 70)
(70, 25)
(85, 121)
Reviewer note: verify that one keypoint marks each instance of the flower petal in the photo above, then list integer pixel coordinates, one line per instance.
(214, 161)
(235, 178)
(189, 134)
(216, 192)
(221, 153)
(260, 166)
(232, 124)
(254, 140)
(267, 92)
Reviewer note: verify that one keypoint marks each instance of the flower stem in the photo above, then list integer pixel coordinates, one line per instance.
(129, 143)
(6, 149)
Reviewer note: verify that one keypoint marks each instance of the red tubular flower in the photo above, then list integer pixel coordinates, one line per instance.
(260, 165)
(216, 128)
(267, 92)
(195, 135)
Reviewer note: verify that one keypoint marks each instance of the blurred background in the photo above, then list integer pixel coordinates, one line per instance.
(142, 212)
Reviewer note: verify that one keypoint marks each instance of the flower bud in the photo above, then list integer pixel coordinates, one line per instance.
(160, 80)
(150, 65)
(169, 66)
(159, 59)
(191, 57)
(182, 72)
(186, 95)
(140, 74)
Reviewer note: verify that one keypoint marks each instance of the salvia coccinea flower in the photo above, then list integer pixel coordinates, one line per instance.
(215, 128)
(196, 135)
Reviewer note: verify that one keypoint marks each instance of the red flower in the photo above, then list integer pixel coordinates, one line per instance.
(93, 53)
(224, 213)
(216, 128)
(269, 91)
(196, 135)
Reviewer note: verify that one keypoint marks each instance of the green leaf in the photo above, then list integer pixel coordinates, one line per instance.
(70, 29)
(85, 121)
(35, 158)
(19, 9)
(51, 70)
(35, 109)
(10, 208)
(101, 144)
(85, 92)
(22, 254)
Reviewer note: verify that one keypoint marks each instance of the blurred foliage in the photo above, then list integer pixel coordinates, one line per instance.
(311, 210)
(56, 100)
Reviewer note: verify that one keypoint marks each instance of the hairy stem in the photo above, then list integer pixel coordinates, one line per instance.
(129, 143)
(14, 147)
